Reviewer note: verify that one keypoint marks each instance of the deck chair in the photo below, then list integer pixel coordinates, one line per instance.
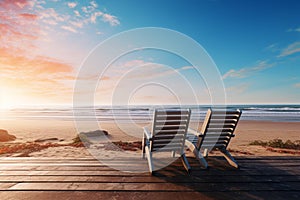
(216, 133)
(168, 134)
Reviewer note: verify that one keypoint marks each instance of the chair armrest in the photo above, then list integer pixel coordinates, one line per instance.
(147, 133)
(194, 132)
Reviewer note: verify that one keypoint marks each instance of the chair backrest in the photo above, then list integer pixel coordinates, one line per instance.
(169, 130)
(218, 128)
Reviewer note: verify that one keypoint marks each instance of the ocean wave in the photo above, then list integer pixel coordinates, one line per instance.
(144, 113)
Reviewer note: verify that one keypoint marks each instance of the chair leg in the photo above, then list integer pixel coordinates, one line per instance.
(201, 159)
(143, 147)
(197, 153)
(205, 153)
(149, 157)
(229, 158)
(185, 163)
(173, 154)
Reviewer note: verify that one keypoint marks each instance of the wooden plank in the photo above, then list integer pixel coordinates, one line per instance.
(165, 187)
(153, 179)
(258, 178)
(95, 195)
(6, 186)
(101, 186)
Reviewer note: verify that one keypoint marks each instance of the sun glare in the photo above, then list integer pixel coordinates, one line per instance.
(7, 100)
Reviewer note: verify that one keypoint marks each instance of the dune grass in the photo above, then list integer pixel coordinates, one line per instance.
(278, 143)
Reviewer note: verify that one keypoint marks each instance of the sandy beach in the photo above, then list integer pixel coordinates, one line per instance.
(62, 132)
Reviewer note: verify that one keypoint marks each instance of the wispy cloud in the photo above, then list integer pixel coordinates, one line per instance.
(143, 70)
(94, 16)
(94, 4)
(27, 62)
(272, 47)
(29, 16)
(291, 49)
(77, 14)
(69, 28)
(297, 85)
(247, 71)
(17, 24)
(294, 29)
(78, 24)
(39, 75)
(69, 17)
(50, 13)
(124, 75)
(31, 66)
(112, 20)
(72, 4)
(238, 89)
(16, 4)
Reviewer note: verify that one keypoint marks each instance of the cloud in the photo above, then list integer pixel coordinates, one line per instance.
(94, 4)
(112, 20)
(72, 4)
(84, 9)
(133, 63)
(141, 69)
(18, 26)
(51, 13)
(78, 24)
(291, 49)
(26, 28)
(76, 12)
(297, 85)
(94, 16)
(187, 67)
(238, 89)
(137, 70)
(15, 4)
(33, 78)
(16, 63)
(247, 71)
(29, 16)
(69, 28)
(273, 48)
(294, 30)
(50, 22)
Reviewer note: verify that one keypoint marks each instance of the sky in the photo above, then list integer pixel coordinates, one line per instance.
(44, 45)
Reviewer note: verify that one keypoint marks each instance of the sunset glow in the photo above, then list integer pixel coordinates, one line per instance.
(44, 43)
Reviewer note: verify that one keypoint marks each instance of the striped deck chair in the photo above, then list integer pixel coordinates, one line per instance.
(216, 133)
(168, 134)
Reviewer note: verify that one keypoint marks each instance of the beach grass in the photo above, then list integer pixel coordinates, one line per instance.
(278, 143)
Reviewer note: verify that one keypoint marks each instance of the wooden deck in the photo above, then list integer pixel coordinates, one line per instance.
(50, 178)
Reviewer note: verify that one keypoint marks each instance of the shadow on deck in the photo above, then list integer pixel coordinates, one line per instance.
(54, 178)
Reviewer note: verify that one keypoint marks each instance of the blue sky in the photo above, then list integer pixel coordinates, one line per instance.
(255, 45)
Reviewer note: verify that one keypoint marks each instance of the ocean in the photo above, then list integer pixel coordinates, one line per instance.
(143, 113)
